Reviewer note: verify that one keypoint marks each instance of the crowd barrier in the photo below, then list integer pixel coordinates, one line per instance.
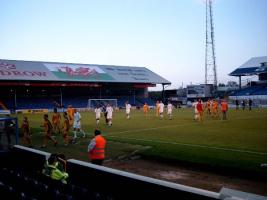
(123, 185)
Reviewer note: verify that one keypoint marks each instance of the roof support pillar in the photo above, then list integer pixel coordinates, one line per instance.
(239, 85)
(163, 93)
(61, 98)
(15, 98)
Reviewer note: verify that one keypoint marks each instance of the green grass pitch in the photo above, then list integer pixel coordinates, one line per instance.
(240, 142)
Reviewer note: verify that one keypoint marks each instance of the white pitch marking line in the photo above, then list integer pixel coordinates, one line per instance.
(176, 125)
(193, 145)
(184, 144)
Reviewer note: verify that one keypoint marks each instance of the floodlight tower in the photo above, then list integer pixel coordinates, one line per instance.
(210, 58)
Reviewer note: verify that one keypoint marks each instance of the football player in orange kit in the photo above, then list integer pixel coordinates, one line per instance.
(56, 118)
(145, 109)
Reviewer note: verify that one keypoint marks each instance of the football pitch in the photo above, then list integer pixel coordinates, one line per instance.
(239, 143)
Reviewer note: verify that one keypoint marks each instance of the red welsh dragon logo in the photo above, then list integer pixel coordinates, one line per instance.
(80, 71)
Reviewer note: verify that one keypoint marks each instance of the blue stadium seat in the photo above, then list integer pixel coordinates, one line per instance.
(76, 102)
(253, 90)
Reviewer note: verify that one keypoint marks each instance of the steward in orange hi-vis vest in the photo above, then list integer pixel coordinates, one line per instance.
(96, 148)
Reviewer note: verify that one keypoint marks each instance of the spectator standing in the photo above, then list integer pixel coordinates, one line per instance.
(243, 104)
(9, 129)
(96, 148)
(236, 104)
(250, 104)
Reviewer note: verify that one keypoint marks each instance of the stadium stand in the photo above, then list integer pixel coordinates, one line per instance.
(149, 101)
(255, 65)
(46, 102)
(261, 91)
(45, 85)
(122, 99)
(250, 91)
(34, 103)
(21, 178)
(2, 106)
(76, 102)
(257, 90)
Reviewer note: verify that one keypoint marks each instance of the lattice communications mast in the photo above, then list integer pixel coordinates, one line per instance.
(210, 57)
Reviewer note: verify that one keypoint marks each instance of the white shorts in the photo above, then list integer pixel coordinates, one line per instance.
(77, 125)
(109, 116)
(169, 112)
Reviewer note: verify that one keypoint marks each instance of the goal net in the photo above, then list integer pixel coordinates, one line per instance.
(9, 134)
(93, 103)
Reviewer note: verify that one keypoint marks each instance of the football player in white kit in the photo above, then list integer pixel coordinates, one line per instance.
(77, 124)
(169, 109)
(161, 109)
(109, 111)
(97, 115)
(128, 109)
(194, 105)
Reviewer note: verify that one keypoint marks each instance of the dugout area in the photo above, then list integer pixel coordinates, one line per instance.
(9, 132)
